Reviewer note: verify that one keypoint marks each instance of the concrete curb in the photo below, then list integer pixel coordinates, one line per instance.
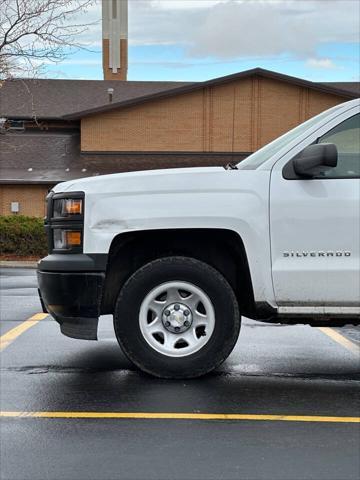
(18, 264)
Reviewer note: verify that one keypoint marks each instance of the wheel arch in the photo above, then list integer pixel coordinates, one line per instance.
(222, 249)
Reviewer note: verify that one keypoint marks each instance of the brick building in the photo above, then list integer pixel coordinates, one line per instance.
(58, 130)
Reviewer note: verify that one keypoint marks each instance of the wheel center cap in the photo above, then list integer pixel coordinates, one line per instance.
(177, 317)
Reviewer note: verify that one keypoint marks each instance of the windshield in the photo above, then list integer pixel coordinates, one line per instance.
(261, 156)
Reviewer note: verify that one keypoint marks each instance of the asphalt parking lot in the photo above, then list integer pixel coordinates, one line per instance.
(285, 405)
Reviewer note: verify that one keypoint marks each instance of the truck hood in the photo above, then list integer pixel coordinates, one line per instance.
(144, 181)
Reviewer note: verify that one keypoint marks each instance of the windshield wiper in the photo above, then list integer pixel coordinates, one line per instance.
(231, 166)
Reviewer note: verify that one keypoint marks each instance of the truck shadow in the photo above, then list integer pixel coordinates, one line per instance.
(104, 380)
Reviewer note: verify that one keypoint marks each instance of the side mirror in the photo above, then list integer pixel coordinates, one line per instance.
(315, 159)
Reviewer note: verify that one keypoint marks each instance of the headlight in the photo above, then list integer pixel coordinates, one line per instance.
(65, 239)
(65, 222)
(67, 207)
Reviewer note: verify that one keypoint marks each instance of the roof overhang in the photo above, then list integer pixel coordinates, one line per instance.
(259, 72)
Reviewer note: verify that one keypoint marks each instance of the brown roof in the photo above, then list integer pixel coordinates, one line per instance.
(349, 86)
(52, 98)
(190, 87)
(40, 157)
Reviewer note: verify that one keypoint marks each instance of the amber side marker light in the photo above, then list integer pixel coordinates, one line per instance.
(73, 206)
(72, 238)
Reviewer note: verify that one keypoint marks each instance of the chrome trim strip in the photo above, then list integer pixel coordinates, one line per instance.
(323, 310)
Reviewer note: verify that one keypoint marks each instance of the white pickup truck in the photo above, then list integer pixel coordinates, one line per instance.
(177, 256)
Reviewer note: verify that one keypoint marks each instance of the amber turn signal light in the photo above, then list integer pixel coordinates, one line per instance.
(73, 206)
(73, 238)
(67, 239)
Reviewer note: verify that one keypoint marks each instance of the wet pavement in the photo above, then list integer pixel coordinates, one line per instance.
(274, 370)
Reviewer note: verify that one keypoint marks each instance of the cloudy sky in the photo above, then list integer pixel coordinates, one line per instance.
(200, 39)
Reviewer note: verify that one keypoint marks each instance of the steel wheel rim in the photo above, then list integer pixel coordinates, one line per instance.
(177, 318)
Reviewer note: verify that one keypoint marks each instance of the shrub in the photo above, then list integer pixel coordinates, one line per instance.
(23, 236)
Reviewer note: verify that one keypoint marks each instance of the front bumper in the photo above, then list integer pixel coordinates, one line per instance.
(72, 296)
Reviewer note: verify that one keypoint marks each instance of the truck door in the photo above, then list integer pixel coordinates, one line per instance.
(315, 229)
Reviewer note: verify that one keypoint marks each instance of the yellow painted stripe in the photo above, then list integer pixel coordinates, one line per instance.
(345, 342)
(181, 416)
(14, 333)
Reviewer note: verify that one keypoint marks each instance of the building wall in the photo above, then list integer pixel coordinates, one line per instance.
(240, 116)
(30, 197)
(170, 124)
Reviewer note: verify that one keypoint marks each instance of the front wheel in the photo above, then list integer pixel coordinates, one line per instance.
(177, 317)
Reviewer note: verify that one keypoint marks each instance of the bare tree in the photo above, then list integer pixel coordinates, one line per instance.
(34, 32)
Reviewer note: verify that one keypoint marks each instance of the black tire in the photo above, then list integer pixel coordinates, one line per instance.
(200, 274)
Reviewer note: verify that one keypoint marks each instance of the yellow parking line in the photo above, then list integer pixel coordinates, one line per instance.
(345, 342)
(181, 416)
(14, 333)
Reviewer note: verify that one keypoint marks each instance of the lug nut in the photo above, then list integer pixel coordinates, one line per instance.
(177, 307)
(167, 312)
(186, 323)
(177, 329)
(167, 324)
(186, 313)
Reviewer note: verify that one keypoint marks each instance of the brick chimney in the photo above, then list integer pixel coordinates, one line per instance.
(115, 39)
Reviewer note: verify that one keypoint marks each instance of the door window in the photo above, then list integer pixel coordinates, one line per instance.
(346, 137)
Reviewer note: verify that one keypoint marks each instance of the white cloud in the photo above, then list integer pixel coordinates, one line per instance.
(325, 63)
(235, 28)
(228, 29)
(183, 4)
